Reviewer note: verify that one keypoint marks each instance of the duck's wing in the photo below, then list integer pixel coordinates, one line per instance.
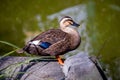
(51, 36)
(51, 42)
(59, 47)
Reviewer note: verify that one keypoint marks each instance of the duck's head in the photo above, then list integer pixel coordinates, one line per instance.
(67, 22)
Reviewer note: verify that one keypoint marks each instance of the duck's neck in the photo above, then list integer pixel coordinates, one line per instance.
(75, 37)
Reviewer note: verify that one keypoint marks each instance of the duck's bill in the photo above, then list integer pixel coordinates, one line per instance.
(75, 24)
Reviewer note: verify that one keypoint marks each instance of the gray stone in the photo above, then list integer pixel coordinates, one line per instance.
(77, 67)
(80, 67)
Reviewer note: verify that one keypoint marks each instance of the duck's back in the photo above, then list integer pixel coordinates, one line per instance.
(52, 36)
(51, 42)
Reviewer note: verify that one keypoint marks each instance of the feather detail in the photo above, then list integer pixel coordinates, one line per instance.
(44, 45)
(36, 42)
(40, 43)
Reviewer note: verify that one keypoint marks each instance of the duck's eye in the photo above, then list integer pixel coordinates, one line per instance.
(70, 22)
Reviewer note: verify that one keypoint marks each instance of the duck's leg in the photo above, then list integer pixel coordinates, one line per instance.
(60, 61)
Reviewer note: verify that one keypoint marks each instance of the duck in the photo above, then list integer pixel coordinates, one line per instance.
(55, 42)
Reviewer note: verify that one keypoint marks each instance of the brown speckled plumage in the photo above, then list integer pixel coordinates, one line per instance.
(61, 41)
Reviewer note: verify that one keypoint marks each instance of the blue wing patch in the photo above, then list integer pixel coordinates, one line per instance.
(44, 45)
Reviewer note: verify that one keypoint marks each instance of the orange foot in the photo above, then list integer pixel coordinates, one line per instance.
(60, 61)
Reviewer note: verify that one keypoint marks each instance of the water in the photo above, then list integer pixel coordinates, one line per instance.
(21, 20)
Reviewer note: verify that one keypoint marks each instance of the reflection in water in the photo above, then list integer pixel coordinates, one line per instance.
(40, 23)
(114, 7)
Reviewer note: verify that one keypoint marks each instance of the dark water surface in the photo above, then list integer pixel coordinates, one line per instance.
(21, 20)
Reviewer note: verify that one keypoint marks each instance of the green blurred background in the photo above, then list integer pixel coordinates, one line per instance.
(21, 20)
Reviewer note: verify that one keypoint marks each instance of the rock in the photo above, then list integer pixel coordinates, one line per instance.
(20, 68)
(80, 67)
(77, 67)
(44, 71)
